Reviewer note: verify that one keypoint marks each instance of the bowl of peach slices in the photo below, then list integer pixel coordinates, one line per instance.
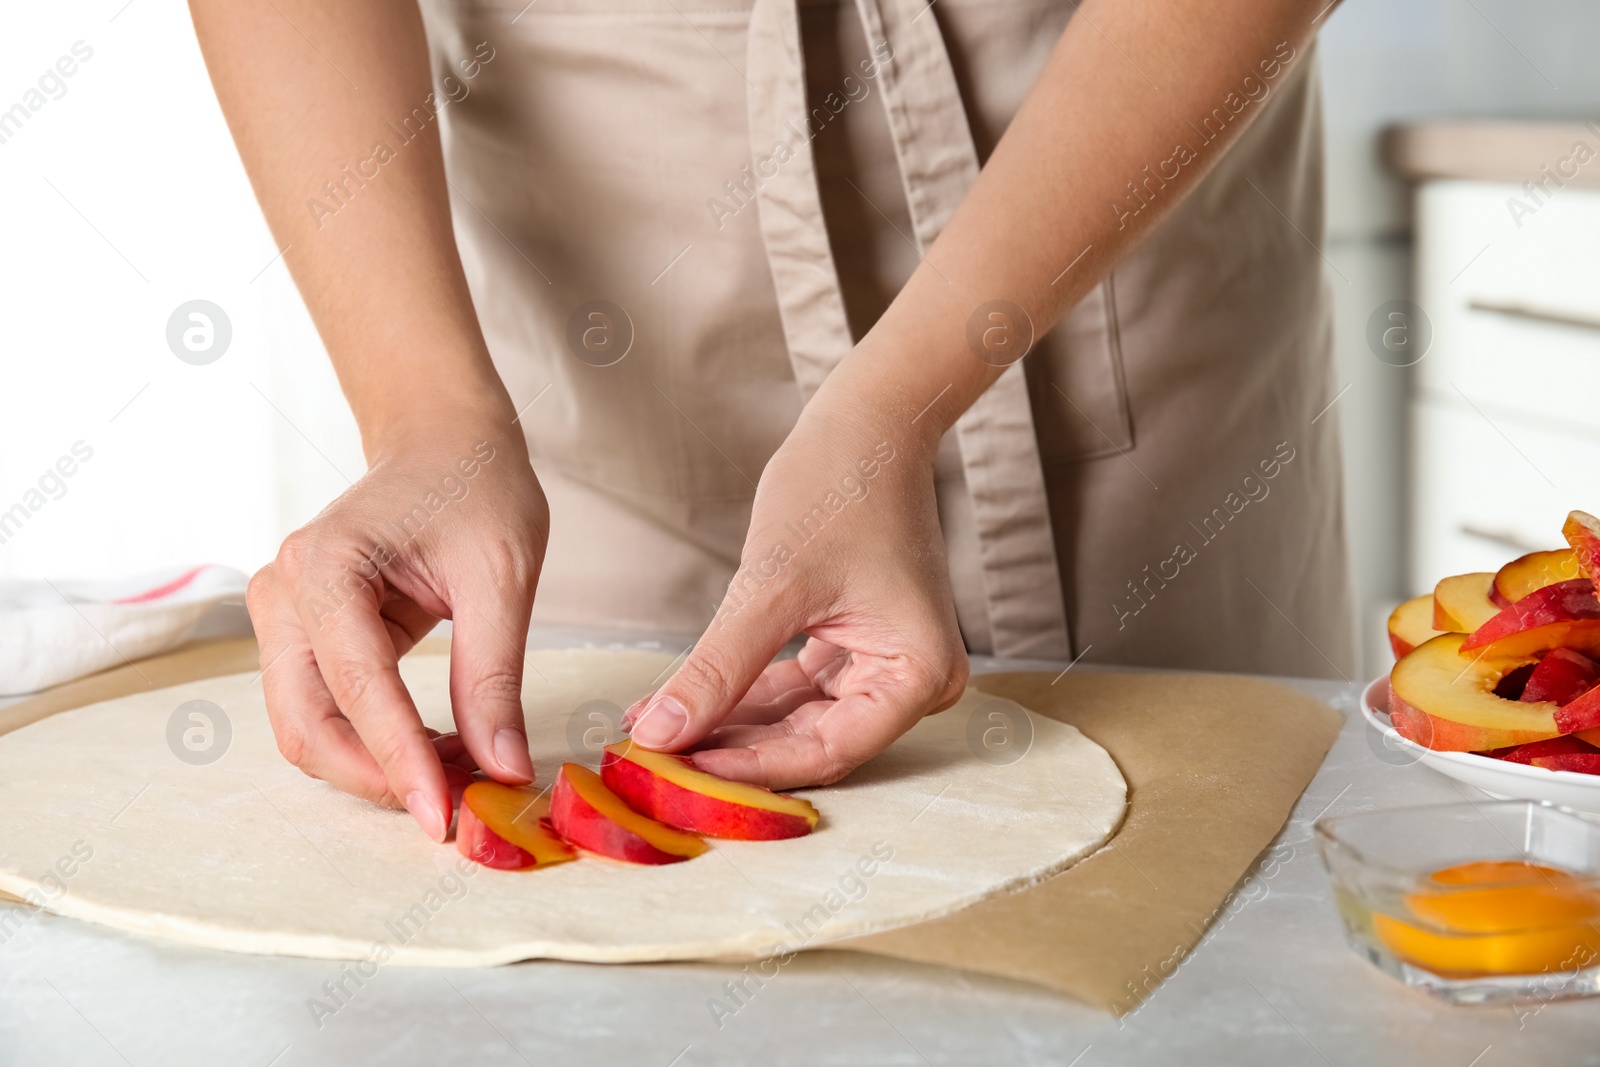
(1496, 680)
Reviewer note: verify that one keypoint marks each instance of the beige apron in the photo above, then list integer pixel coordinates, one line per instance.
(745, 184)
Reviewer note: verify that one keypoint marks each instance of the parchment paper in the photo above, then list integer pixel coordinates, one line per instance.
(1214, 763)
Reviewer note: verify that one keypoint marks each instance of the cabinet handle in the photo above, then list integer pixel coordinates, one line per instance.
(1498, 537)
(1537, 314)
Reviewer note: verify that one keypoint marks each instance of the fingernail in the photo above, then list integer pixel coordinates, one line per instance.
(661, 723)
(434, 822)
(511, 752)
(633, 711)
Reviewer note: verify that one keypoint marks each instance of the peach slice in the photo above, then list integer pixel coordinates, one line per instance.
(594, 818)
(1461, 602)
(1564, 615)
(673, 790)
(1445, 700)
(1581, 715)
(1513, 685)
(1411, 623)
(1566, 753)
(1578, 762)
(1562, 676)
(1582, 531)
(501, 826)
(1530, 754)
(1534, 571)
(482, 845)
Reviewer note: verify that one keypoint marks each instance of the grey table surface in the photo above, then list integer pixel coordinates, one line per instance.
(1272, 983)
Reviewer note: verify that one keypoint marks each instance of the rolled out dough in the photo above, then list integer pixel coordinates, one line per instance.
(99, 820)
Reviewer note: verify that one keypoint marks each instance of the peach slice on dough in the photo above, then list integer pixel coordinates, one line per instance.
(1411, 624)
(1564, 615)
(594, 818)
(671, 789)
(480, 844)
(1461, 602)
(503, 827)
(1582, 531)
(1445, 700)
(1534, 571)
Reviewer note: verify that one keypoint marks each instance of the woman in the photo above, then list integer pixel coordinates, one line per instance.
(729, 274)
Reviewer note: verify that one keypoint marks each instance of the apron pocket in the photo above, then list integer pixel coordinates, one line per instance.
(1076, 386)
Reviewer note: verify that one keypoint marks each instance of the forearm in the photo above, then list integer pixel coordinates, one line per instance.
(1059, 190)
(352, 184)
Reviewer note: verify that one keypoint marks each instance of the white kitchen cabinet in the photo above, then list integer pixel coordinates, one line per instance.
(1506, 402)
(1484, 493)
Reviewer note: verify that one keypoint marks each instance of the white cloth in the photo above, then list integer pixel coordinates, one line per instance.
(52, 632)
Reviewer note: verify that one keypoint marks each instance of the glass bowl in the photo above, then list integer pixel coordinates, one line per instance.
(1473, 903)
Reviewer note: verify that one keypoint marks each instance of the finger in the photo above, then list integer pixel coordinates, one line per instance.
(801, 708)
(825, 664)
(490, 618)
(782, 687)
(310, 732)
(407, 621)
(760, 713)
(742, 735)
(816, 675)
(458, 779)
(750, 722)
(778, 679)
(825, 740)
(725, 663)
(357, 660)
(842, 737)
(452, 751)
(788, 684)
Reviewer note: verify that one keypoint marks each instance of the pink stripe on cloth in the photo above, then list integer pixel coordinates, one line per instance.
(160, 591)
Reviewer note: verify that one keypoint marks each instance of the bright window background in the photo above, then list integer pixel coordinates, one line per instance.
(124, 199)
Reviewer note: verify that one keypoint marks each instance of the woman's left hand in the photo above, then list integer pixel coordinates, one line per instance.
(845, 547)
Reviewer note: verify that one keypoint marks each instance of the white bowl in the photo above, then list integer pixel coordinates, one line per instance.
(1497, 777)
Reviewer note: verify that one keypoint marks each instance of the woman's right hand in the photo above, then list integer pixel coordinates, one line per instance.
(449, 522)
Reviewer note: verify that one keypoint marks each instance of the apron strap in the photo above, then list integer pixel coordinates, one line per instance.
(938, 165)
(810, 302)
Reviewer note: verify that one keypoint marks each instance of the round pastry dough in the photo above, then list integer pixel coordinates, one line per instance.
(99, 820)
